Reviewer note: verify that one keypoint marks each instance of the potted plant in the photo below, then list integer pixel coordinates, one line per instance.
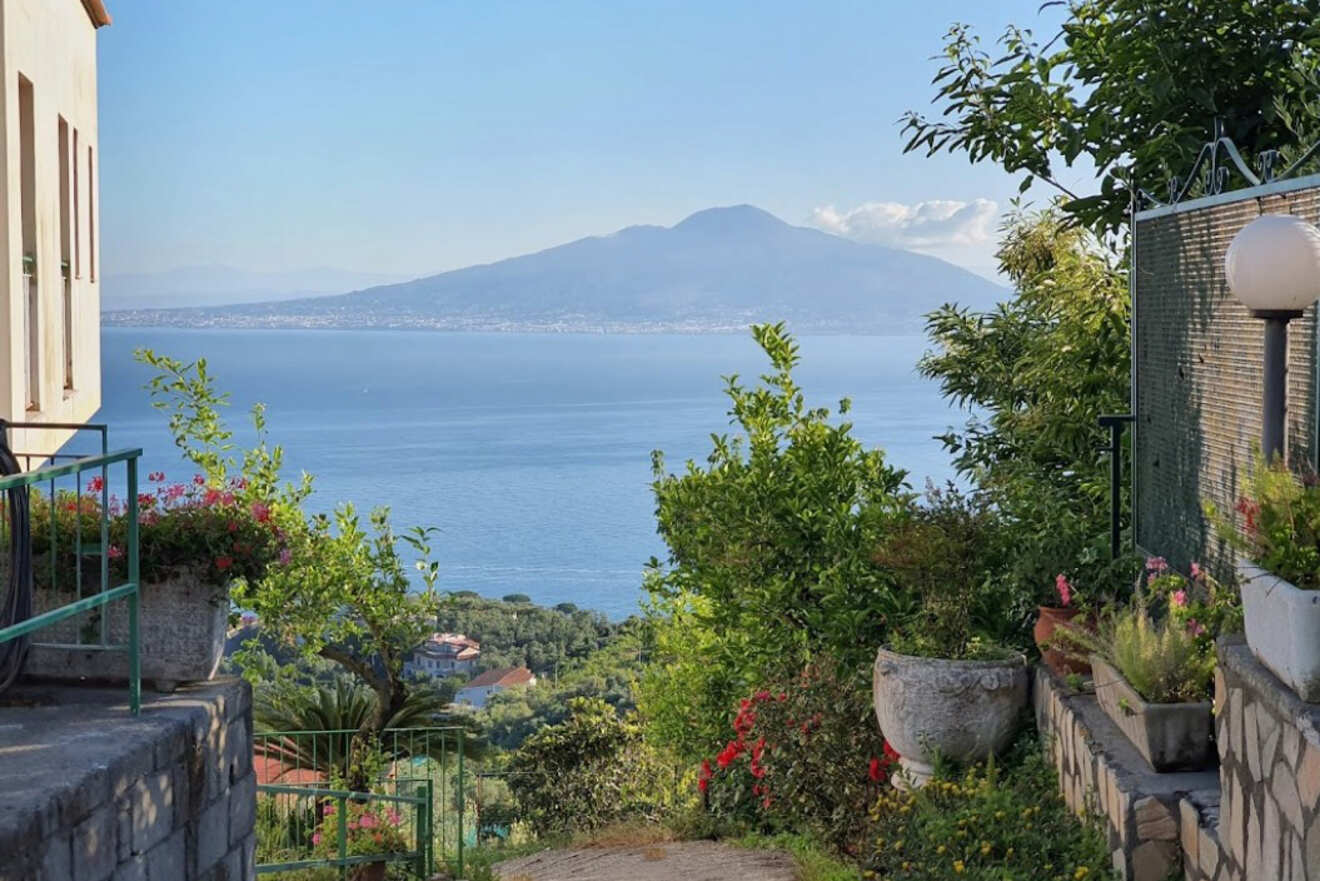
(194, 540)
(374, 833)
(1049, 620)
(947, 685)
(1277, 537)
(1154, 675)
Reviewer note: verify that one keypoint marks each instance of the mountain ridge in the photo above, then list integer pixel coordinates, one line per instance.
(718, 269)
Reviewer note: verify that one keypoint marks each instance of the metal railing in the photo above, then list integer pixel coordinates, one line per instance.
(71, 508)
(316, 827)
(436, 755)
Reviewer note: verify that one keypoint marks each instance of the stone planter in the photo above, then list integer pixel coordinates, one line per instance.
(960, 710)
(1283, 628)
(1061, 661)
(182, 623)
(1171, 737)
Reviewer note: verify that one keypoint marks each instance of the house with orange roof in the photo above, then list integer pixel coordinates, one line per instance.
(476, 692)
(443, 654)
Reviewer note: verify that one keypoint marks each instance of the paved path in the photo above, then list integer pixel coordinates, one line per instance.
(672, 861)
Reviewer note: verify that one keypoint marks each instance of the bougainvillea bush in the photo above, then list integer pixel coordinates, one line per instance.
(218, 532)
(991, 823)
(804, 755)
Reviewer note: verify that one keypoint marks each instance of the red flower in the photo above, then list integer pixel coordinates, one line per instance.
(874, 771)
(891, 754)
(703, 784)
(260, 512)
(116, 552)
(223, 563)
(156, 477)
(212, 496)
(95, 485)
(199, 480)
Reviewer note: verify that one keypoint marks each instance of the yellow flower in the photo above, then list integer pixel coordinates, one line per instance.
(940, 849)
(1081, 873)
(985, 848)
(958, 866)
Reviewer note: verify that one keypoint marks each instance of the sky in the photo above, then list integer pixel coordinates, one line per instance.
(413, 137)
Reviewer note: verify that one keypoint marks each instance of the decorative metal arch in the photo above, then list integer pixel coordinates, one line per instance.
(1215, 172)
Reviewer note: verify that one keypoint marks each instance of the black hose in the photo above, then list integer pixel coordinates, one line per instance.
(17, 606)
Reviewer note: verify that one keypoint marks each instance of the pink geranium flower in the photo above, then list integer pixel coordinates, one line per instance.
(1179, 598)
(1157, 565)
(1064, 588)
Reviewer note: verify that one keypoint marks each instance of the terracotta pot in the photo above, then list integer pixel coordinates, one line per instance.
(1062, 662)
(369, 872)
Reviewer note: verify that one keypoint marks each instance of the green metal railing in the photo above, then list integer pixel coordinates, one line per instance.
(303, 818)
(75, 531)
(311, 758)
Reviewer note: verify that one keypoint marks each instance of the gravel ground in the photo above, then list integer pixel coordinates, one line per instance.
(672, 861)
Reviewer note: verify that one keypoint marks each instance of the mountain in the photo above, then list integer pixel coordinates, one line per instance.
(717, 270)
(224, 285)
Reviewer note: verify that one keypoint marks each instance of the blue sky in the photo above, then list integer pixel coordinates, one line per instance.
(413, 137)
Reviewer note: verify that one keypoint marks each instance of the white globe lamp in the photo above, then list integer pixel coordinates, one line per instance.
(1273, 268)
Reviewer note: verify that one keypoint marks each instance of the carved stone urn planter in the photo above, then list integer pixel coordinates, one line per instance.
(1283, 628)
(960, 710)
(1171, 737)
(182, 622)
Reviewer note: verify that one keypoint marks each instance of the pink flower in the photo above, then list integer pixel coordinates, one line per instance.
(212, 496)
(1179, 598)
(174, 491)
(368, 821)
(1156, 564)
(285, 556)
(156, 477)
(260, 512)
(330, 807)
(95, 485)
(1197, 572)
(199, 480)
(316, 838)
(116, 552)
(1194, 627)
(1064, 588)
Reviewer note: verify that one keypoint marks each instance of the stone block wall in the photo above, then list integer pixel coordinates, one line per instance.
(167, 796)
(1150, 820)
(1269, 746)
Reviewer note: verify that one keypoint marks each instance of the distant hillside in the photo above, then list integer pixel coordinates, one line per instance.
(226, 285)
(718, 270)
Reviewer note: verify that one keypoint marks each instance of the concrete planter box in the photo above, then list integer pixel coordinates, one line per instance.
(1283, 628)
(1171, 737)
(182, 623)
(961, 710)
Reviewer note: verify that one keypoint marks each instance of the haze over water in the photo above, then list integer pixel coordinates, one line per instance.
(531, 452)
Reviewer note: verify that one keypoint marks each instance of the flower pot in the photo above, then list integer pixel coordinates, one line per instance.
(960, 710)
(1062, 661)
(1283, 628)
(182, 624)
(1171, 737)
(369, 872)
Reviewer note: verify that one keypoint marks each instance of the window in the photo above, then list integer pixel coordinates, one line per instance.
(91, 217)
(77, 220)
(65, 268)
(27, 156)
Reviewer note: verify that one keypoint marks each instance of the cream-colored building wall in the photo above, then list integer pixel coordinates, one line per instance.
(52, 43)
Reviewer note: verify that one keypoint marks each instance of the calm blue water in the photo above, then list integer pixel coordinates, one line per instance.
(531, 453)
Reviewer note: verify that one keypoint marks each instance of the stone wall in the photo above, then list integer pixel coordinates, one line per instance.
(90, 793)
(1150, 820)
(1269, 744)
(1256, 818)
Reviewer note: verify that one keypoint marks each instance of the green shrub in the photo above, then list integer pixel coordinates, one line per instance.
(991, 824)
(589, 771)
(806, 756)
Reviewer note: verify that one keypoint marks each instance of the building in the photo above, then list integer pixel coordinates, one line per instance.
(476, 692)
(50, 345)
(444, 654)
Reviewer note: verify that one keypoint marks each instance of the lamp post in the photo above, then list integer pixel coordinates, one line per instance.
(1273, 267)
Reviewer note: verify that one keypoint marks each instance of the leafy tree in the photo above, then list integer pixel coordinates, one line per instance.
(1132, 86)
(770, 549)
(543, 640)
(339, 591)
(1036, 374)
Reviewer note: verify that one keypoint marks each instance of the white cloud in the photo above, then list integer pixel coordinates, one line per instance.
(930, 225)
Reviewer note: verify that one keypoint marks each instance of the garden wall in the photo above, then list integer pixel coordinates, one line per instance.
(89, 792)
(1197, 377)
(1257, 818)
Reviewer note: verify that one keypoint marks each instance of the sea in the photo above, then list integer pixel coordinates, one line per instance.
(530, 453)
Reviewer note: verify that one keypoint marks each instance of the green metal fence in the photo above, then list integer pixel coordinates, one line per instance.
(71, 507)
(315, 827)
(436, 756)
